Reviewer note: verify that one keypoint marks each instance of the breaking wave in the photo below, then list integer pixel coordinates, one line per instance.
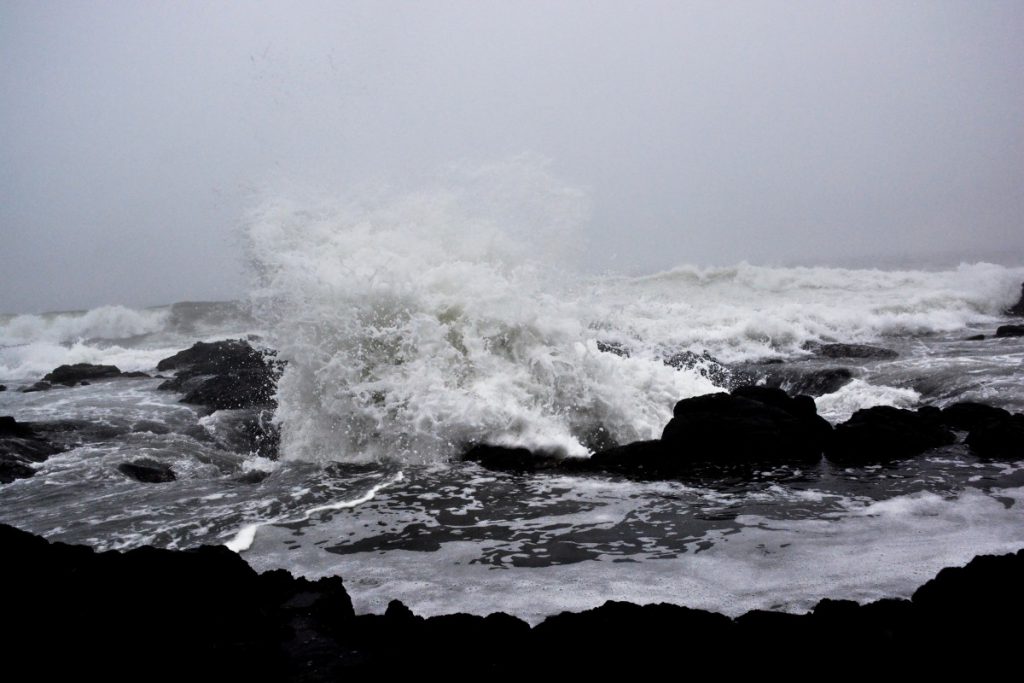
(417, 322)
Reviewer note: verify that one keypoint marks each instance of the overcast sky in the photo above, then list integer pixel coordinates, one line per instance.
(134, 135)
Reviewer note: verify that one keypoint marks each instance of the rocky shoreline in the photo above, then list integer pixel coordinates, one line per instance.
(206, 612)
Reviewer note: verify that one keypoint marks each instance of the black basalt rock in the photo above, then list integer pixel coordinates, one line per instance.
(862, 351)
(1010, 331)
(205, 610)
(148, 471)
(753, 424)
(967, 415)
(38, 386)
(223, 375)
(70, 375)
(20, 447)
(885, 433)
(1017, 308)
(510, 459)
(1000, 439)
(208, 358)
(704, 363)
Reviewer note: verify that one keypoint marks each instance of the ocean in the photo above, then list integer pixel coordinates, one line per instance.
(402, 347)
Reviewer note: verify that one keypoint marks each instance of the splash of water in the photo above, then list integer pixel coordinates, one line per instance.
(414, 324)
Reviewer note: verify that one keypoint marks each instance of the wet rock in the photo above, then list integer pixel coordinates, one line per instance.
(885, 433)
(967, 415)
(218, 616)
(1017, 308)
(975, 337)
(1010, 331)
(38, 386)
(147, 471)
(861, 351)
(753, 424)
(223, 375)
(210, 358)
(3, 387)
(796, 380)
(998, 439)
(507, 459)
(233, 390)
(135, 374)
(70, 375)
(704, 363)
(20, 447)
(248, 431)
(617, 348)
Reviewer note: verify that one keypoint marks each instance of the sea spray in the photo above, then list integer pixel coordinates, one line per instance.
(414, 324)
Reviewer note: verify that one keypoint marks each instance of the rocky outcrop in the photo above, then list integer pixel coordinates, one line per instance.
(885, 433)
(70, 375)
(223, 375)
(999, 439)
(753, 425)
(38, 386)
(860, 351)
(705, 364)
(173, 613)
(1017, 308)
(147, 471)
(1010, 331)
(798, 378)
(20, 447)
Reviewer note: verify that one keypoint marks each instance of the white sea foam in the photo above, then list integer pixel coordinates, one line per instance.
(243, 539)
(31, 361)
(840, 405)
(415, 323)
(106, 322)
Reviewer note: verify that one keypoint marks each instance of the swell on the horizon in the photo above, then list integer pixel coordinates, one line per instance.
(415, 323)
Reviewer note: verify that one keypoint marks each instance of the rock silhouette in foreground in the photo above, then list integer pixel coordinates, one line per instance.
(148, 612)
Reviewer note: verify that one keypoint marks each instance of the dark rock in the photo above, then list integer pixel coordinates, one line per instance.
(998, 439)
(239, 389)
(506, 459)
(223, 375)
(617, 348)
(148, 471)
(208, 611)
(38, 386)
(967, 416)
(975, 337)
(209, 358)
(20, 446)
(1010, 331)
(707, 365)
(3, 387)
(69, 375)
(854, 351)
(753, 424)
(643, 459)
(1017, 308)
(885, 433)
(248, 431)
(795, 379)
(135, 374)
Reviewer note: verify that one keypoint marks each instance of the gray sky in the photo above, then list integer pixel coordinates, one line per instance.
(134, 135)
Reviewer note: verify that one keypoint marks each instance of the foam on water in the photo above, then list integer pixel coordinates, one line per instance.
(840, 405)
(106, 322)
(415, 323)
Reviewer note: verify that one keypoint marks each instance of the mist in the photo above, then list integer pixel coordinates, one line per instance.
(136, 137)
